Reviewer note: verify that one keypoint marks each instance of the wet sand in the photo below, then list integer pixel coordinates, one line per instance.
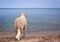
(31, 37)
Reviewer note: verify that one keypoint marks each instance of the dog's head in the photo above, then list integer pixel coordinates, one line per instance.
(24, 14)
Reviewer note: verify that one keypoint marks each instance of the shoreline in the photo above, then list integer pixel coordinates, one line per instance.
(31, 37)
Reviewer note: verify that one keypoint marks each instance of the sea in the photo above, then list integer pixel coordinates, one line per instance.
(38, 19)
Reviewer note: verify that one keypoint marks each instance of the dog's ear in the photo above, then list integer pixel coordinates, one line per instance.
(24, 14)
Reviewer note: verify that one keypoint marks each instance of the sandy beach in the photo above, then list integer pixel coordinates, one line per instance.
(31, 37)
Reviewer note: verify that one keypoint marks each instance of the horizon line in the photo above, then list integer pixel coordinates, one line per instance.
(26, 8)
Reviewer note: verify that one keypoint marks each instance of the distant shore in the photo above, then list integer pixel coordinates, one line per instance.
(31, 37)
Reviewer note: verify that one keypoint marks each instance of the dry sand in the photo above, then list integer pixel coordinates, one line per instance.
(31, 37)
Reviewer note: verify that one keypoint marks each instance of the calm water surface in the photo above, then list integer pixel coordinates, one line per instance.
(38, 19)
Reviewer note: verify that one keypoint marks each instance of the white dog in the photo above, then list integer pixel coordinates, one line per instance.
(20, 25)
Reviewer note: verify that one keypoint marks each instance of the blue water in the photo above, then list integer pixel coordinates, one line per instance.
(45, 19)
